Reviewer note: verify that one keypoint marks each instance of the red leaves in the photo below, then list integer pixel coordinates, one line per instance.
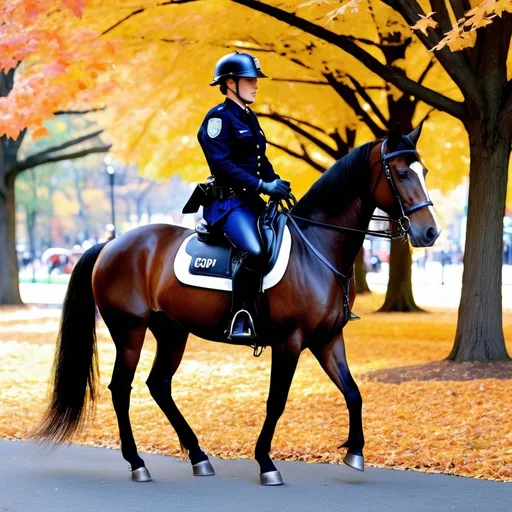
(61, 59)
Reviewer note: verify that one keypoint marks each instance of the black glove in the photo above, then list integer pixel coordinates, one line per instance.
(277, 189)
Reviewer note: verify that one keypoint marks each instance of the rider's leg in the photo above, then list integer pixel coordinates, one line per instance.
(240, 227)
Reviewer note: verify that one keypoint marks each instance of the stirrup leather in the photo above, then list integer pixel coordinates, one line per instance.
(252, 333)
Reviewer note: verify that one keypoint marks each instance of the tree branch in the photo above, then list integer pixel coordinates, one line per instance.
(40, 159)
(454, 63)
(300, 131)
(366, 97)
(299, 156)
(141, 10)
(424, 74)
(349, 97)
(441, 15)
(67, 144)
(298, 81)
(460, 7)
(77, 112)
(396, 77)
(427, 115)
(295, 120)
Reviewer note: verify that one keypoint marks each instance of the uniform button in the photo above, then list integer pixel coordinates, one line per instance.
(257, 146)
(258, 173)
(259, 156)
(259, 165)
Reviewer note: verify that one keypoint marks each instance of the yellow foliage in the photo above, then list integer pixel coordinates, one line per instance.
(150, 66)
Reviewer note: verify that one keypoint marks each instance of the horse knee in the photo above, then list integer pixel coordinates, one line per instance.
(119, 387)
(353, 397)
(158, 386)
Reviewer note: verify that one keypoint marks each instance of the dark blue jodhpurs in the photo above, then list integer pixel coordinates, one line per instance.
(241, 229)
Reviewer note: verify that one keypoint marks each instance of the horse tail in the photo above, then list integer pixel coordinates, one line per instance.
(75, 367)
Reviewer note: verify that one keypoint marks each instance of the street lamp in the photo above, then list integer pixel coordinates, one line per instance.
(111, 172)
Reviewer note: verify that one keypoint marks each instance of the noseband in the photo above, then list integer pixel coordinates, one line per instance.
(403, 221)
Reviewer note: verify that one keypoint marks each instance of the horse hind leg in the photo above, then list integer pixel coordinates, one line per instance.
(171, 342)
(128, 335)
(333, 360)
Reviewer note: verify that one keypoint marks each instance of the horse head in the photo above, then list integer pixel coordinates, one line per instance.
(403, 193)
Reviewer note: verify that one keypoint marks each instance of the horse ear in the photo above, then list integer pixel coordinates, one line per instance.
(415, 134)
(394, 137)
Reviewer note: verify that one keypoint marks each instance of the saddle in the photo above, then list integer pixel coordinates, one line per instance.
(206, 258)
(271, 225)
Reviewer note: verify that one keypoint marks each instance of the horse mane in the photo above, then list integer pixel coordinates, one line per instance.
(338, 184)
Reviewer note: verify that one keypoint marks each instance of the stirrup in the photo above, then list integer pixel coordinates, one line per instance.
(252, 332)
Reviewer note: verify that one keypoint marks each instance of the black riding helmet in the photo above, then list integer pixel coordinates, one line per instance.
(241, 65)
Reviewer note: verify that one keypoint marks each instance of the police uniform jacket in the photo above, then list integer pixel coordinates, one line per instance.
(234, 146)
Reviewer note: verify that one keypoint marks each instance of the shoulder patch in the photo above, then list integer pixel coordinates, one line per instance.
(214, 127)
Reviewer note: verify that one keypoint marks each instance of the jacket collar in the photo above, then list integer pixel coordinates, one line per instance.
(234, 107)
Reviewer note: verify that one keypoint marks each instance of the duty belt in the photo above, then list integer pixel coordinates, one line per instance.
(223, 192)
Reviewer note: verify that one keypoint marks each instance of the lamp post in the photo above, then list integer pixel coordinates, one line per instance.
(111, 172)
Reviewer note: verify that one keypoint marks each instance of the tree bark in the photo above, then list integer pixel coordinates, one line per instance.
(399, 296)
(360, 273)
(479, 335)
(9, 284)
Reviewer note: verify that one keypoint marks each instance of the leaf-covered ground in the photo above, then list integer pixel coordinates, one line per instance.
(463, 428)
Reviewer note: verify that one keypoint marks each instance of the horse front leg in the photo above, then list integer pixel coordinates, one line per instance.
(284, 362)
(333, 360)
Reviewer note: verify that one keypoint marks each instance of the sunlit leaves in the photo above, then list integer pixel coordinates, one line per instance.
(462, 34)
(425, 22)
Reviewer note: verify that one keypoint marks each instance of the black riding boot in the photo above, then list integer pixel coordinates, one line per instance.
(246, 284)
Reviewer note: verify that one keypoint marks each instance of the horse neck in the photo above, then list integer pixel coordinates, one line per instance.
(340, 246)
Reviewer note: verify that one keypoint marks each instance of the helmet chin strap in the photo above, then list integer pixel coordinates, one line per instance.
(237, 93)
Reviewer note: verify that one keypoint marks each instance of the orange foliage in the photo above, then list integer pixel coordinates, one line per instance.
(462, 428)
(58, 62)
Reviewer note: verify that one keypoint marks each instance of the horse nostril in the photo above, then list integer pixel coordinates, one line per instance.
(431, 234)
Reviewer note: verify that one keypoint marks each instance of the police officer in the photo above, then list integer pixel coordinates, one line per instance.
(234, 146)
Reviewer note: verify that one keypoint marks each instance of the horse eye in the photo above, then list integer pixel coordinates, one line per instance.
(403, 175)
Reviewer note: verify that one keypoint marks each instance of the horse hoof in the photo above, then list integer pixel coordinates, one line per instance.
(141, 475)
(271, 478)
(354, 461)
(203, 468)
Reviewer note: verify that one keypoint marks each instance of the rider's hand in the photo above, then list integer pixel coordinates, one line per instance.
(277, 189)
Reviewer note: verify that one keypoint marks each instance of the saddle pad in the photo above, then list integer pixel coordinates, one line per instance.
(213, 264)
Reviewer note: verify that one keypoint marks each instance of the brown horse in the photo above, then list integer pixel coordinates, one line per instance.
(131, 281)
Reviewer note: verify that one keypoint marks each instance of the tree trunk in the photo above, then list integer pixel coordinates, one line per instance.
(360, 273)
(9, 283)
(399, 296)
(479, 335)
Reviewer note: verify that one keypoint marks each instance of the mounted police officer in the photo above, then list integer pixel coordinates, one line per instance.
(234, 146)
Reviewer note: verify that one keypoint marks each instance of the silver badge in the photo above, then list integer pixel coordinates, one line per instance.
(214, 127)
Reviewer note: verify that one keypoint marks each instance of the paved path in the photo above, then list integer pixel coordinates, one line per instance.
(82, 479)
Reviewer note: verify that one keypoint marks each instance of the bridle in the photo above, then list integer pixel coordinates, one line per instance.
(403, 220)
(403, 223)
